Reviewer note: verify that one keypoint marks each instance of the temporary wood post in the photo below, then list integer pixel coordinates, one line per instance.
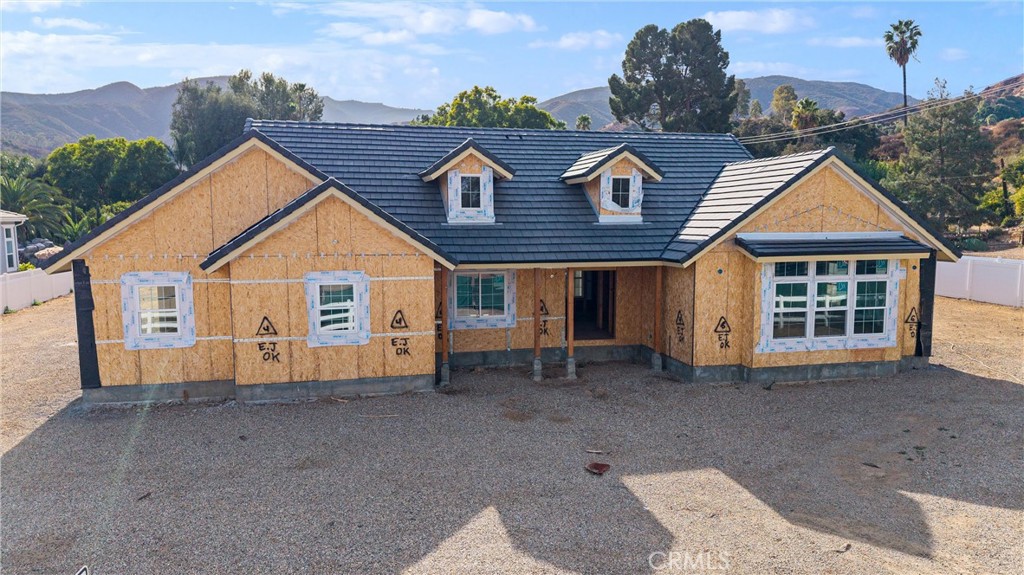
(537, 367)
(445, 371)
(656, 356)
(570, 333)
(600, 299)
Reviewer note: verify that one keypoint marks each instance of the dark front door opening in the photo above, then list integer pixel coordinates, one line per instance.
(594, 304)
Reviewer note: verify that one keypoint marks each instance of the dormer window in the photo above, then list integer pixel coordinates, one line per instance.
(470, 191)
(620, 192)
(613, 180)
(466, 176)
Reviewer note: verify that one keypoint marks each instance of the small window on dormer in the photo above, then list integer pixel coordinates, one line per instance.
(470, 196)
(620, 192)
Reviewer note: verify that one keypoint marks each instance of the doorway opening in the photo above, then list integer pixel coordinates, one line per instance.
(594, 304)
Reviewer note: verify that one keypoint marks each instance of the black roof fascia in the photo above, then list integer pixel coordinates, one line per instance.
(177, 181)
(831, 247)
(620, 149)
(469, 144)
(303, 199)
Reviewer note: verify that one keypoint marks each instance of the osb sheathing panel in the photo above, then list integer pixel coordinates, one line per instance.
(118, 366)
(471, 164)
(239, 195)
(196, 362)
(106, 317)
(222, 360)
(825, 202)
(418, 360)
(633, 286)
(284, 184)
(219, 304)
(678, 323)
(254, 365)
(337, 362)
(910, 299)
(162, 365)
(728, 294)
(485, 339)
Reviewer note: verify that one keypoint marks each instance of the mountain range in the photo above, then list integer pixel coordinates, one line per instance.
(35, 124)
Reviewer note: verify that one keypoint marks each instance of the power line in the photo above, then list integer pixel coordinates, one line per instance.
(879, 118)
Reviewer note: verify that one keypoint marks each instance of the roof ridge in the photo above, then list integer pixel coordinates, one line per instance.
(400, 126)
(820, 152)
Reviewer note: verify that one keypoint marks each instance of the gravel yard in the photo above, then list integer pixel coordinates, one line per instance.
(921, 473)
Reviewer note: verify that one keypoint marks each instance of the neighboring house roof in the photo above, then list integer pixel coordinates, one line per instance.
(302, 204)
(871, 244)
(743, 188)
(451, 158)
(12, 217)
(538, 217)
(591, 164)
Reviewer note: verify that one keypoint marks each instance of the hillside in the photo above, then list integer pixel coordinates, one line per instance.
(1008, 87)
(35, 124)
(852, 98)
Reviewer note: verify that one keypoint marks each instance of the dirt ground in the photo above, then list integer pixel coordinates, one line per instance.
(919, 473)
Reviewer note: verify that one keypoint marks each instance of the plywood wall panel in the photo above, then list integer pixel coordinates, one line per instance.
(266, 361)
(417, 360)
(106, 316)
(196, 362)
(118, 366)
(218, 297)
(304, 361)
(239, 192)
(162, 365)
(222, 360)
(334, 227)
(372, 358)
(679, 313)
(337, 362)
(284, 184)
(370, 238)
(182, 225)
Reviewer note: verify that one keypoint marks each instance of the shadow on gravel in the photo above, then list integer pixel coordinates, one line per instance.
(377, 486)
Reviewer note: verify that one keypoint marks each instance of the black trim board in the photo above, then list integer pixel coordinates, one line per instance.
(831, 247)
(611, 154)
(88, 360)
(469, 144)
(177, 181)
(302, 200)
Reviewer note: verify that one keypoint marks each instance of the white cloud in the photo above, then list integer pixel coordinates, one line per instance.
(34, 5)
(598, 39)
(847, 42)
(46, 63)
(755, 68)
(954, 54)
(768, 21)
(494, 22)
(389, 37)
(76, 23)
(346, 30)
(863, 12)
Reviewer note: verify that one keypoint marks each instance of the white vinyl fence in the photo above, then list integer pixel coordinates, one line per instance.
(18, 290)
(993, 280)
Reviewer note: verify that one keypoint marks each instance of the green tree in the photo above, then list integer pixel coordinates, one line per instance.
(14, 165)
(583, 122)
(82, 170)
(675, 81)
(805, 114)
(783, 101)
(1013, 173)
(484, 107)
(205, 118)
(145, 166)
(742, 100)
(901, 44)
(762, 126)
(948, 162)
(755, 109)
(42, 204)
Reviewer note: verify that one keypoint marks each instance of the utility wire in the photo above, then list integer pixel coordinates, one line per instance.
(879, 118)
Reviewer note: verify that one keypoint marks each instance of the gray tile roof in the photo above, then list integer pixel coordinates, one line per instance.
(469, 144)
(739, 189)
(592, 162)
(539, 218)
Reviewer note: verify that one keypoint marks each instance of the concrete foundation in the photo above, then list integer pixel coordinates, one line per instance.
(570, 368)
(538, 369)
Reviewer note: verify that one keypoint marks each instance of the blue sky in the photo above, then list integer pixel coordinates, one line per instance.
(419, 54)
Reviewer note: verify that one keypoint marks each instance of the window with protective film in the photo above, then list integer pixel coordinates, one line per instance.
(338, 303)
(157, 310)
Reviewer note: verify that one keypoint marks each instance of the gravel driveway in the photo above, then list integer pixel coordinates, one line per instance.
(921, 473)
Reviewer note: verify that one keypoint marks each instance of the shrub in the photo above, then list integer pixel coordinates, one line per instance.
(973, 245)
(25, 266)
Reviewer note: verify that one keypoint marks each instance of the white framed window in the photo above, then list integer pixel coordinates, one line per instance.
(157, 310)
(833, 304)
(482, 299)
(620, 192)
(338, 303)
(469, 191)
(470, 197)
(10, 249)
(622, 196)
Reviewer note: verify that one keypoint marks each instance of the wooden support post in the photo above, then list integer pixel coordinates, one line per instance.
(537, 278)
(445, 370)
(570, 331)
(600, 299)
(658, 313)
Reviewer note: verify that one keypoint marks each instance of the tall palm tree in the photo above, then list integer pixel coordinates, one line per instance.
(805, 114)
(583, 122)
(33, 198)
(901, 45)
